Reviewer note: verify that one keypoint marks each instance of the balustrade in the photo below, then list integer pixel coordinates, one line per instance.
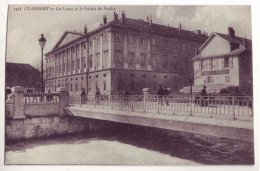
(209, 105)
(41, 98)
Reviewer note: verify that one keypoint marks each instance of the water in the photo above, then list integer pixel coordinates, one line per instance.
(131, 145)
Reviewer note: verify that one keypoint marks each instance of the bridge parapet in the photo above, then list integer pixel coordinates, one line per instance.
(212, 106)
(20, 105)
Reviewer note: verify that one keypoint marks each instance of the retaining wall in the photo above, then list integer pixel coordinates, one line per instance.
(44, 126)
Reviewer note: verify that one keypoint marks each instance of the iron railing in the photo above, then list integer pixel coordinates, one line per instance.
(208, 105)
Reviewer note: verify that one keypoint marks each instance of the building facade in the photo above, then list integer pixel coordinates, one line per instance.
(224, 60)
(122, 54)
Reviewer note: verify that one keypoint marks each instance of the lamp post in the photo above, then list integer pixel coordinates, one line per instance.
(42, 42)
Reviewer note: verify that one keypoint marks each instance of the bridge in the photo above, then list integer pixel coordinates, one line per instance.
(221, 116)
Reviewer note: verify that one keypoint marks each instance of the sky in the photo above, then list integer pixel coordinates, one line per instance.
(25, 26)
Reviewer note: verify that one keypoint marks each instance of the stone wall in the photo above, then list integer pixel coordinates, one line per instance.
(45, 126)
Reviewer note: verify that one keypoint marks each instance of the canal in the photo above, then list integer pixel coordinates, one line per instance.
(121, 144)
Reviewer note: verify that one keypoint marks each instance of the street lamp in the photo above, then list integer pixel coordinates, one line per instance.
(42, 42)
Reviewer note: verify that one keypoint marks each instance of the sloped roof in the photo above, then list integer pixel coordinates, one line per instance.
(67, 37)
(141, 24)
(235, 39)
(25, 75)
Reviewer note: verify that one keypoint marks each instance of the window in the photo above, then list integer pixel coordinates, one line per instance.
(214, 64)
(227, 79)
(144, 76)
(131, 40)
(104, 84)
(154, 76)
(131, 57)
(98, 41)
(104, 75)
(78, 63)
(68, 66)
(204, 65)
(105, 38)
(90, 61)
(154, 60)
(231, 62)
(70, 87)
(132, 75)
(84, 45)
(165, 61)
(84, 62)
(210, 79)
(89, 76)
(142, 41)
(165, 76)
(118, 37)
(96, 76)
(105, 59)
(226, 62)
(143, 58)
(72, 65)
(90, 43)
(118, 55)
(76, 87)
(183, 46)
(97, 59)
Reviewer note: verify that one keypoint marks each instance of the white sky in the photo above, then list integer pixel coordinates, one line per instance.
(25, 27)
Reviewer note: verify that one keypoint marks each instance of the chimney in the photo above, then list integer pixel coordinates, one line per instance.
(85, 29)
(231, 32)
(104, 19)
(180, 27)
(151, 21)
(197, 51)
(148, 20)
(115, 16)
(198, 32)
(123, 16)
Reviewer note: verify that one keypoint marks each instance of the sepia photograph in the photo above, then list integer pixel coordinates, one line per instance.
(131, 85)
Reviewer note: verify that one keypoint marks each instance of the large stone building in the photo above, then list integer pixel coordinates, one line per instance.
(122, 54)
(223, 60)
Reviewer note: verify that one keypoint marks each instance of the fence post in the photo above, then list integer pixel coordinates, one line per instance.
(191, 105)
(18, 102)
(233, 103)
(64, 98)
(147, 92)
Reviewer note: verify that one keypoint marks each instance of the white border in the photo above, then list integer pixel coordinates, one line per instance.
(256, 68)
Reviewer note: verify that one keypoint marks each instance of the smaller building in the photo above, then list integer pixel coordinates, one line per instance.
(23, 75)
(223, 60)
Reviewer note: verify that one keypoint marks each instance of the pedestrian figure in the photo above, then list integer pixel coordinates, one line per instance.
(49, 97)
(126, 97)
(203, 98)
(166, 94)
(160, 95)
(83, 97)
(97, 96)
(197, 99)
